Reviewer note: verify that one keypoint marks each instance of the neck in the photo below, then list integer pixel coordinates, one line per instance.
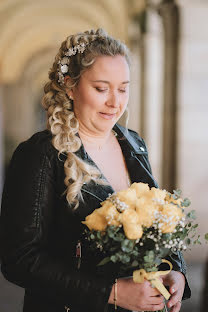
(94, 139)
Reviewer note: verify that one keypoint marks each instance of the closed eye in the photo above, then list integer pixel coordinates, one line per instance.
(100, 89)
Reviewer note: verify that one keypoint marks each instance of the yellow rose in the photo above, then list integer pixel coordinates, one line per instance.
(133, 231)
(158, 194)
(141, 189)
(96, 221)
(132, 227)
(171, 215)
(129, 216)
(128, 196)
(109, 211)
(146, 210)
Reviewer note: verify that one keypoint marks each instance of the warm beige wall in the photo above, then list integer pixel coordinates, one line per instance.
(27, 27)
(30, 35)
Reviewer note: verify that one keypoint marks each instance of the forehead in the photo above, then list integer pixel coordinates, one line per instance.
(108, 68)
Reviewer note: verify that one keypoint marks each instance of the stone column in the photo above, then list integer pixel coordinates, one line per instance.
(143, 72)
(169, 13)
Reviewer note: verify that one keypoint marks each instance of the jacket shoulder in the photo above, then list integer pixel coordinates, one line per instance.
(39, 142)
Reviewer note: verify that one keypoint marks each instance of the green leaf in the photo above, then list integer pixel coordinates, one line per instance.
(186, 202)
(188, 241)
(99, 235)
(177, 193)
(206, 236)
(92, 236)
(135, 263)
(104, 261)
(125, 259)
(191, 214)
(149, 257)
(114, 258)
(166, 236)
(127, 245)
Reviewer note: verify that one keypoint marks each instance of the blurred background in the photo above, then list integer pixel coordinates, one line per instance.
(168, 104)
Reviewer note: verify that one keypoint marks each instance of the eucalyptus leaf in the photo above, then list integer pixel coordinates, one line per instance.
(188, 241)
(186, 202)
(104, 261)
(177, 193)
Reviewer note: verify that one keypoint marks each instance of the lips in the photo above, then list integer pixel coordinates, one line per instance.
(107, 115)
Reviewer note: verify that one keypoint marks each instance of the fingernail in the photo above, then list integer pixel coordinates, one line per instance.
(173, 289)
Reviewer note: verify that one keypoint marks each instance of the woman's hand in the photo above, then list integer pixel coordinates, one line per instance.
(176, 282)
(136, 296)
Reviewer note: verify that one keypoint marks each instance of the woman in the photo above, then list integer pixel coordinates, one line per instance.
(60, 175)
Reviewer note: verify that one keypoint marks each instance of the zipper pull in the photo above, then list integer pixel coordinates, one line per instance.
(78, 254)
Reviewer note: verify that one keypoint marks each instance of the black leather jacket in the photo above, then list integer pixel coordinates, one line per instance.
(40, 231)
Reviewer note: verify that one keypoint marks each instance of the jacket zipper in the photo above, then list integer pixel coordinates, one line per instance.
(78, 254)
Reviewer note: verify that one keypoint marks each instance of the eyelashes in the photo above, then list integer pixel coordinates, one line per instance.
(104, 90)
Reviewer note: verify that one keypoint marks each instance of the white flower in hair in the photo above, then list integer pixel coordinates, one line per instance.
(81, 47)
(71, 51)
(65, 61)
(64, 69)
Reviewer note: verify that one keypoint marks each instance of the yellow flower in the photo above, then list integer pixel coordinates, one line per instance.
(146, 210)
(128, 196)
(109, 211)
(132, 227)
(103, 216)
(96, 221)
(158, 194)
(141, 189)
(170, 217)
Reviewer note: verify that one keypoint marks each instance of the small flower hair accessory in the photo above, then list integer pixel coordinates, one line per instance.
(64, 62)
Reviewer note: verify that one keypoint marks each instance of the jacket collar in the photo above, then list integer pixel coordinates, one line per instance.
(135, 143)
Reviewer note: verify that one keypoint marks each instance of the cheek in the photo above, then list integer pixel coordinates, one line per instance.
(125, 101)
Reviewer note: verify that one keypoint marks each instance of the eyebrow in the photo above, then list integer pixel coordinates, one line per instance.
(108, 82)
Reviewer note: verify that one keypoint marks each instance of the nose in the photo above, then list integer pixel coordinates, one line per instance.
(113, 100)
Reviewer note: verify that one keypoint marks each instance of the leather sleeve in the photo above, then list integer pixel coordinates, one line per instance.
(27, 220)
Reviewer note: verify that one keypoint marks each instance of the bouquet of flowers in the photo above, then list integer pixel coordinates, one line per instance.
(137, 227)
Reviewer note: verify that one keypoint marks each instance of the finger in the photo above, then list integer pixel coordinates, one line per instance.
(176, 307)
(174, 299)
(153, 291)
(158, 307)
(156, 300)
(173, 288)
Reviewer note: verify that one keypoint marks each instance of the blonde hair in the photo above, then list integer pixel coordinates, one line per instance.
(61, 120)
